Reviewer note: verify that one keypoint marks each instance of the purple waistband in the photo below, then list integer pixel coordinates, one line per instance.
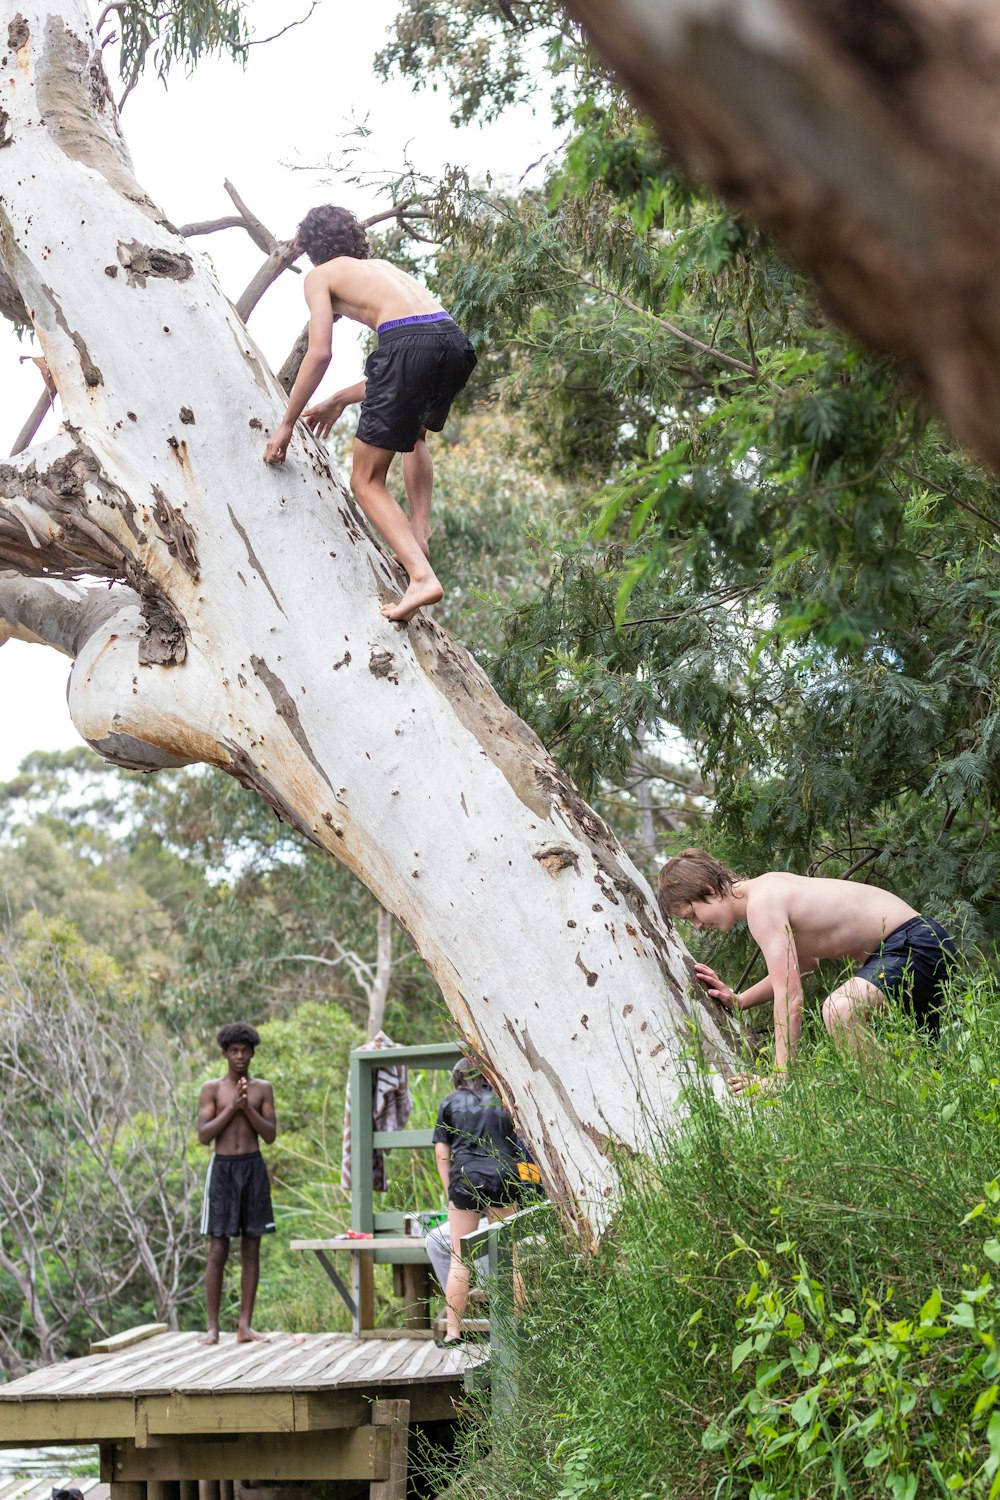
(435, 317)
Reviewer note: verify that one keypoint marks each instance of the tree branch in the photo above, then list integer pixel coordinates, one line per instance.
(51, 612)
(36, 417)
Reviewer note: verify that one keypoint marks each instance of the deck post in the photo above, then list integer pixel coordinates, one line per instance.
(364, 1292)
(362, 1130)
(162, 1489)
(208, 1489)
(396, 1416)
(127, 1489)
(413, 1284)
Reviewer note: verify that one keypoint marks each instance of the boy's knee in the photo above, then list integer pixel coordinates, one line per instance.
(836, 1012)
(218, 1251)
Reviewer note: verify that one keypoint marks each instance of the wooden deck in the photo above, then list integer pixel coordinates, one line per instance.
(168, 1411)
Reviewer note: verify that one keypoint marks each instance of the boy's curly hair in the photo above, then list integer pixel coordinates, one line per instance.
(238, 1033)
(328, 231)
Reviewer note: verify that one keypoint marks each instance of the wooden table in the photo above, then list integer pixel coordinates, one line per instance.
(413, 1284)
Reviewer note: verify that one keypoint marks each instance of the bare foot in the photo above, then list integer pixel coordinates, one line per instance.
(421, 591)
(248, 1336)
(211, 1337)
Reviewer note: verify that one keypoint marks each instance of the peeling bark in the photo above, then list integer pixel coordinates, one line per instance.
(243, 630)
(867, 138)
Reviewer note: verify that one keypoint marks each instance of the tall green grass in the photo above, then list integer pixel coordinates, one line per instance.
(800, 1297)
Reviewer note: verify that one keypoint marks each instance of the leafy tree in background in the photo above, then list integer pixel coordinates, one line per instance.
(793, 567)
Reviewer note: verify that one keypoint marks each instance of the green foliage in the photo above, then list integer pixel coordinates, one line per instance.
(799, 1298)
(774, 578)
(183, 32)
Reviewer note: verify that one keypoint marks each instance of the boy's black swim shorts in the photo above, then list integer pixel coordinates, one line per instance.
(413, 377)
(912, 964)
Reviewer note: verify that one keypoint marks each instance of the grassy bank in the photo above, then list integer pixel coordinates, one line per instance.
(800, 1297)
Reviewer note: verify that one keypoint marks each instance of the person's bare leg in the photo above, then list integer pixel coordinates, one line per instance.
(844, 1012)
(460, 1221)
(249, 1278)
(218, 1254)
(418, 477)
(371, 465)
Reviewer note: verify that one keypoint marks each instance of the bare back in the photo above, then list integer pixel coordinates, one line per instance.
(827, 918)
(372, 291)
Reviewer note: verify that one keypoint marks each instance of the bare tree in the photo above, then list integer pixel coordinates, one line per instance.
(867, 138)
(235, 620)
(96, 1191)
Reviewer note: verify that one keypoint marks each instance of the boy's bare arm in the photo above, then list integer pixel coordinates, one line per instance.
(312, 368)
(211, 1120)
(773, 934)
(442, 1156)
(263, 1119)
(322, 417)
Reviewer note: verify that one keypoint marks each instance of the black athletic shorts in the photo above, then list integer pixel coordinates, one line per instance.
(413, 377)
(237, 1198)
(479, 1186)
(912, 964)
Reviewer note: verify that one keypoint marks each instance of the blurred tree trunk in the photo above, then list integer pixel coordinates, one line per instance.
(867, 138)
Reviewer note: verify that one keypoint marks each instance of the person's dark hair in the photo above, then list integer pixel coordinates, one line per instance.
(692, 875)
(238, 1033)
(466, 1075)
(328, 231)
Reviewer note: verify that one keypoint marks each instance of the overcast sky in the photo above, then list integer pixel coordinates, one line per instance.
(264, 128)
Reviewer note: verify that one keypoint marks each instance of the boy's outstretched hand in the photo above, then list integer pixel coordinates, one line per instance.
(277, 446)
(716, 988)
(751, 1083)
(322, 417)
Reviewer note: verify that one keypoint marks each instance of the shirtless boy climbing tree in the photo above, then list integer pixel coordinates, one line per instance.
(422, 361)
(236, 1112)
(799, 920)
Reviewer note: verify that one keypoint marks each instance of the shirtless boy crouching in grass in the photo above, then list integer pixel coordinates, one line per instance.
(798, 920)
(236, 1112)
(422, 361)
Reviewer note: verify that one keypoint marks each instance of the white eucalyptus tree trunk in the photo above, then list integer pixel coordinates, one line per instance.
(242, 629)
(867, 138)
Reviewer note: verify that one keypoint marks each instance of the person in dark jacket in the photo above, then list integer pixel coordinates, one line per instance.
(477, 1155)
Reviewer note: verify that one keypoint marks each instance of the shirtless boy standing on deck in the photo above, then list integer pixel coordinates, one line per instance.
(797, 920)
(422, 361)
(236, 1112)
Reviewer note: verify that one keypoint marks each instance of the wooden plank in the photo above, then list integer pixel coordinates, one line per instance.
(76, 1372)
(360, 1071)
(394, 1417)
(129, 1336)
(361, 1247)
(416, 1297)
(318, 1411)
(426, 1055)
(56, 1421)
(266, 1411)
(396, 1333)
(346, 1453)
(364, 1293)
(418, 1140)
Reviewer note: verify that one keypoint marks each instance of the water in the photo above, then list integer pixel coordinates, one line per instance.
(58, 1464)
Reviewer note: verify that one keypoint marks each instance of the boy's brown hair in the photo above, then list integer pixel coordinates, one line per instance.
(690, 876)
(328, 231)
